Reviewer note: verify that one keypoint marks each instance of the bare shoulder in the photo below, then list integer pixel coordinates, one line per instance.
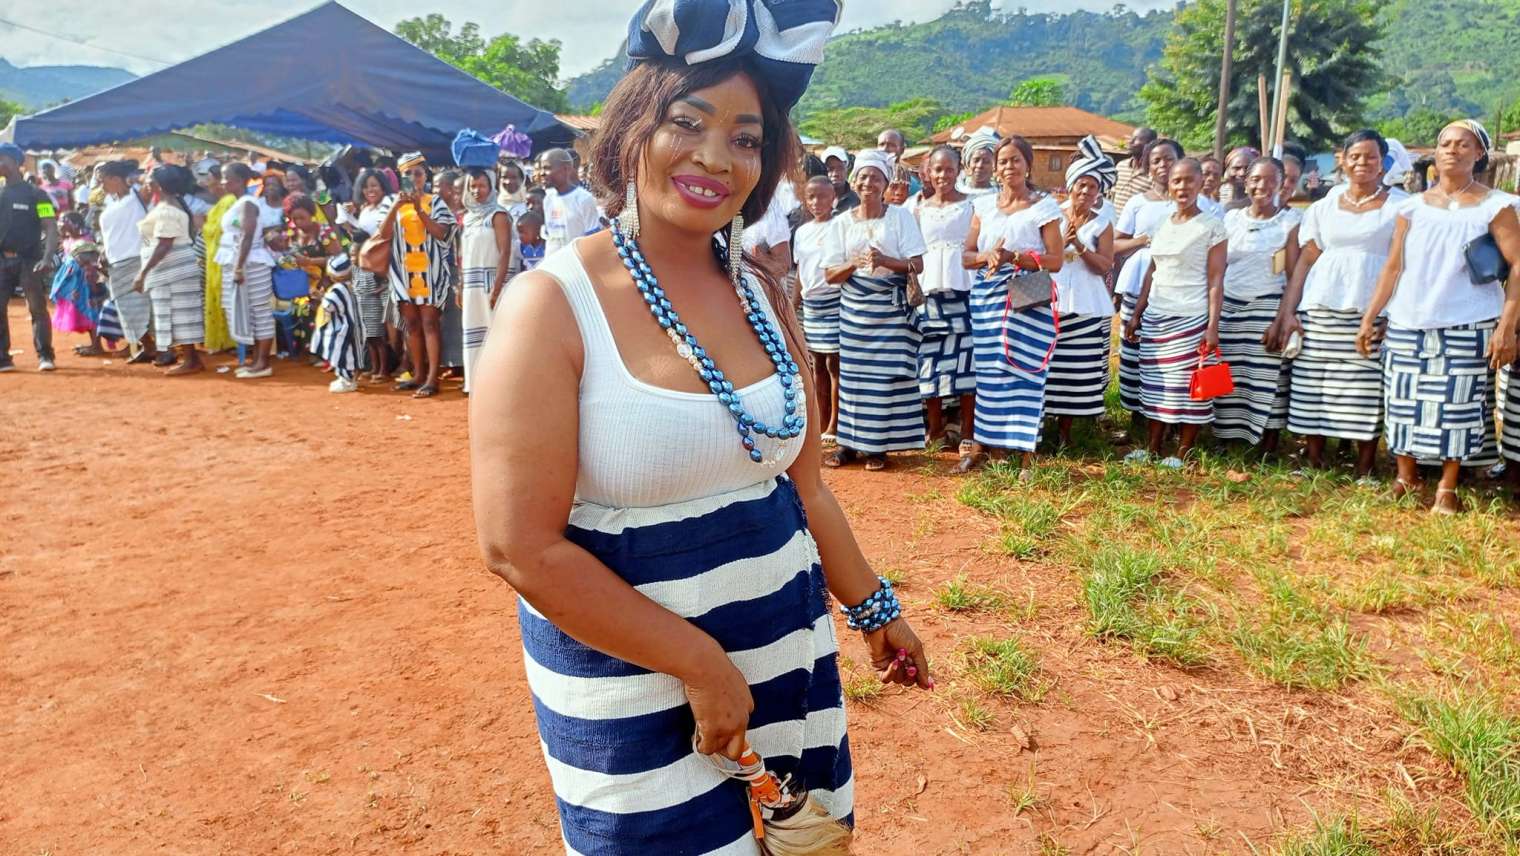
(535, 313)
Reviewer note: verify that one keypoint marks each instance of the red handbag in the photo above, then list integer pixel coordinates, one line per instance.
(1210, 381)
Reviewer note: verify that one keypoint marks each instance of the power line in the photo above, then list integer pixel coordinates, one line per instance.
(82, 43)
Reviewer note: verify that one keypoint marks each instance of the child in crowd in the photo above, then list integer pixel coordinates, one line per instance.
(530, 238)
(819, 299)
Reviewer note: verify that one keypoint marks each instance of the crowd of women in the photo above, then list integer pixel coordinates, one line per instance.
(1366, 315)
(178, 261)
(980, 310)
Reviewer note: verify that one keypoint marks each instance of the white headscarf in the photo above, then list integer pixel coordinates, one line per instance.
(874, 159)
(1399, 164)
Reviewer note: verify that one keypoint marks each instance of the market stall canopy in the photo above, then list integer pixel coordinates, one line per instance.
(326, 75)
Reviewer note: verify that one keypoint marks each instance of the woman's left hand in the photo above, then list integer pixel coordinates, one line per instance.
(898, 655)
(138, 283)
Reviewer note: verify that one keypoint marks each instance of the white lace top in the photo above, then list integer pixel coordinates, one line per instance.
(945, 229)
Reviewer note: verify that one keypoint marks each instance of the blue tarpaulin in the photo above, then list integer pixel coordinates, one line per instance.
(326, 75)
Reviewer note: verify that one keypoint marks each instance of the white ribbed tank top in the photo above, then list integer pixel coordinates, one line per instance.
(642, 445)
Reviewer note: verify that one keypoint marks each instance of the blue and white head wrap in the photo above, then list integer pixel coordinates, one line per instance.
(783, 38)
(983, 138)
(1092, 161)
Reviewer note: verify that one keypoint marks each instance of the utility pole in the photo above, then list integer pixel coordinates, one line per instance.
(1280, 109)
(1225, 67)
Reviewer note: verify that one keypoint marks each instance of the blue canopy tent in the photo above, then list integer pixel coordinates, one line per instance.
(327, 75)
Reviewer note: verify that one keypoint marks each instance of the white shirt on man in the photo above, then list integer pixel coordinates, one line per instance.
(568, 216)
(118, 227)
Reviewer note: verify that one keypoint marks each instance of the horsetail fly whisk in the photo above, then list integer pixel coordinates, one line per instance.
(788, 822)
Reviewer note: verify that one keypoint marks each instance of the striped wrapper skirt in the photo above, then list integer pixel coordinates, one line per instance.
(108, 326)
(177, 290)
(1079, 368)
(337, 338)
(944, 355)
(1440, 393)
(373, 291)
(1260, 400)
(1129, 359)
(1168, 358)
(879, 406)
(1511, 437)
(475, 294)
(1334, 391)
(133, 308)
(1010, 396)
(820, 322)
(250, 306)
(618, 738)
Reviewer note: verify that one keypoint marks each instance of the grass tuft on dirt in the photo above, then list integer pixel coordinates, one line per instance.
(1004, 667)
(1126, 600)
(1482, 743)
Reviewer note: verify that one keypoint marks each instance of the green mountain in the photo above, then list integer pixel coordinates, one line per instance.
(1443, 57)
(35, 87)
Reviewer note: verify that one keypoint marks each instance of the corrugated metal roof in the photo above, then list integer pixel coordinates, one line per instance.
(1034, 123)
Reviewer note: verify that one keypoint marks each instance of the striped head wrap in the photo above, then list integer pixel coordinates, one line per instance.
(1249, 151)
(984, 137)
(1092, 161)
(874, 159)
(783, 39)
(1474, 127)
(410, 160)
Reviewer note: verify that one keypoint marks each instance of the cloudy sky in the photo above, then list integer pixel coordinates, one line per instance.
(174, 30)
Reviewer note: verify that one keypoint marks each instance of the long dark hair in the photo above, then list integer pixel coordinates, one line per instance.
(176, 182)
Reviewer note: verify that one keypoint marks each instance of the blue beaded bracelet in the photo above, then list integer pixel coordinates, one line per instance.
(876, 611)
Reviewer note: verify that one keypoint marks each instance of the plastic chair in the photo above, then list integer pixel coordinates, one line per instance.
(289, 283)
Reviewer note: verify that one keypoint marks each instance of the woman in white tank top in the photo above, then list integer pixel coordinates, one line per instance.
(646, 477)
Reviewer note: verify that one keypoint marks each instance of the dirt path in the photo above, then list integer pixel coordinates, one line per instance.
(249, 617)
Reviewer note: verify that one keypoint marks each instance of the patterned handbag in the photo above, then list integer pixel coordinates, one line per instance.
(1044, 284)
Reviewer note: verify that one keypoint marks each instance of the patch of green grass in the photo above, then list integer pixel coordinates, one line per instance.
(1483, 744)
(974, 715)
(1304, 656)
(1005, 667)
(1387, 590)
(894, 575)
(1126, 600)
(962, 595)
(1487, 638)
(1338, 837)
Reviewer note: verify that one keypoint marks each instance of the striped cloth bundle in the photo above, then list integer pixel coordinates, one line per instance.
(337, 338)
(1168, 358)
(820, 322)
(475, 315)
(1129, 358)
(1440, 395)
(1260, 399)
(1079, 367)
(618, 738)
(1334, 391)
(945, 354)
(879, 406)
(177, 294)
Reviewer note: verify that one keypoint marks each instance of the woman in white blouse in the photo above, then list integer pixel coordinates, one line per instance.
(170, 274)
(1138, 221)
(1079, 367)
(944, 356)
(1446, 335)
(1344, 240)
(1176, 318)
(1014, 234)
(869, 252)
(1263, 248)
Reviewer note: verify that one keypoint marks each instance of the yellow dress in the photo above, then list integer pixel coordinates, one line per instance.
(218, 337)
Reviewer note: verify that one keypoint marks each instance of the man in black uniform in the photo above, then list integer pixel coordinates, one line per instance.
(26, 213)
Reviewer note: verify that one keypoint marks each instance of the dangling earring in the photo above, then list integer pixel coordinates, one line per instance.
(628, 221)
(736, 249)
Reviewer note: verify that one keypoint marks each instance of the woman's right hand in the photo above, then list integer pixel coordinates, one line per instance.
(721, 703)
(1366, 337)
(237, 276)
(1282, 329)
(1132, 330)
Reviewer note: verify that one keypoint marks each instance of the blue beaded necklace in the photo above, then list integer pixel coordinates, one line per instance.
(688, 348)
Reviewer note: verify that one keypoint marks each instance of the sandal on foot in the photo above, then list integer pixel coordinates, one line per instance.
(1402, 489)
(1437, 507)
(425, 391)
(838, 458)
(407, 386)
(876, 463)
(971, 455)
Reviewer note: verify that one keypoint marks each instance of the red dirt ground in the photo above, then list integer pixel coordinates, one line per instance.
(246, 617)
